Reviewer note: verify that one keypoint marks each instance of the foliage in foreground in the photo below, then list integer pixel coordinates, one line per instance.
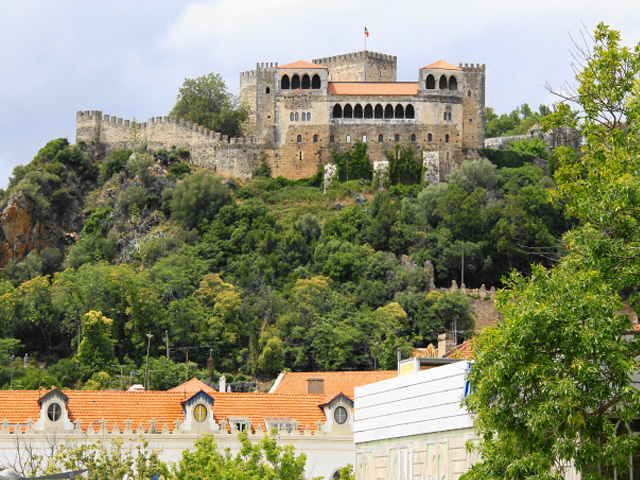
(553, 379)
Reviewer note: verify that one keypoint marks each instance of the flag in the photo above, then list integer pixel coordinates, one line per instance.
(366, 32)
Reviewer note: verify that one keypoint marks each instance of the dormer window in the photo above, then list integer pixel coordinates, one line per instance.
(200, 413)
(54, 412)
(281, 424)
(239, 424)
(340, 415)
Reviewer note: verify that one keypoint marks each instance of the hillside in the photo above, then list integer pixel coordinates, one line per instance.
(248, 278)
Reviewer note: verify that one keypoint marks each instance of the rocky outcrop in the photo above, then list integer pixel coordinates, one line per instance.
(21, 231)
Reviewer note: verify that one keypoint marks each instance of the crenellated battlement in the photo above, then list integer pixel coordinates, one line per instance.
(471, 67)
(355, 56)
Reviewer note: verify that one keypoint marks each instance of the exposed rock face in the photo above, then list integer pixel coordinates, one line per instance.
(21, 231)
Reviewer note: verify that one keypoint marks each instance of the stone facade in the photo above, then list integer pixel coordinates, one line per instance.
(301, 112)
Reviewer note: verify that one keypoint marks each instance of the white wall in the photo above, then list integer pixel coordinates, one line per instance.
(425, 402)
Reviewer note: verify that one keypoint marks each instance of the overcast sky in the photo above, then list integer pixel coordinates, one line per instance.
(129, 57)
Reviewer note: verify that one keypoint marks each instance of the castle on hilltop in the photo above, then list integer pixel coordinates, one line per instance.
(302, 111)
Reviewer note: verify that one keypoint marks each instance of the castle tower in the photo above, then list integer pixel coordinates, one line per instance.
(258, 90)
(363, 66)
(473, 105)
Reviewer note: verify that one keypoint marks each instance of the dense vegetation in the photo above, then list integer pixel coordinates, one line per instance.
(254, 278)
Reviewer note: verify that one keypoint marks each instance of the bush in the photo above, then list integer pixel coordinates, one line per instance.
(506, 158)
(179, 170)
(113, 163)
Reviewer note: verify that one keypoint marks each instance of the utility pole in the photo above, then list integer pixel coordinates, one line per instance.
(121, 374)
(166, 342)
(462, 267)
(146, 369)
(11, 384)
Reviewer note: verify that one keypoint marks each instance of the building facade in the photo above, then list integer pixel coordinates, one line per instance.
(303, 111)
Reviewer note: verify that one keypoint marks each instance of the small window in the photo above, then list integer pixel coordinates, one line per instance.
(291, 117)
(380, 138)
(413, 137)
(315, 139)
(304, 116)
(200, 413)
(469, 93)
(447, 168)
(267, 90)
(240, 424)
(54, 412)
(364, 139)
(340, 415)
(332, 139)
(297, 116)
(446, 138)
(471, 120)
(396, 138)
(348, 138)
(308, 116)
(429, 138)
(299, 138)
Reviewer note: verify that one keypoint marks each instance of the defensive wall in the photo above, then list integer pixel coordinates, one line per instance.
(236, 156)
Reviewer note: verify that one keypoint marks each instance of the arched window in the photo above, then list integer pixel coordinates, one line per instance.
(379, 112)
(315, 82)
(306, 82)
(469, 93)
(444, 116)
(299, 138)
(364, 138)
(308, 116)
(380, 138)
(447, 168)
(291, 117)
(284, 82)
(453, 83)
(357, 111)
(409, 112)
(446, 138)
(348, 138)
(304, 116)
(396, 138)
(413, 137)
(388, 111)
(429, 138)
(315, 139)
(337, 111)
(368, 111)
(332, 139)
(297, 116)
(442, 86)
(267, 90)
(348, 111)
(431, 82)
(399, 111)
(295, 82)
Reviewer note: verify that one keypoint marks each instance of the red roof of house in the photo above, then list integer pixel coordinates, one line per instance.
(295, 383)
(372, 88)
(441, 65)
(302, 65)
(193, 386)
(464, 351)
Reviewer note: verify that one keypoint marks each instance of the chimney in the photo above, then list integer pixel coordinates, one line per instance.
(223, 384)
(445, 343)
(315, 385)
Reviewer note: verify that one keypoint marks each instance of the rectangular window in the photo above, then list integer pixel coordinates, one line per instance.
(281, 424)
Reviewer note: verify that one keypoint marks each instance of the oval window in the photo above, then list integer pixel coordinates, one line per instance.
(54, 412)
(340, 415)
(200, 413)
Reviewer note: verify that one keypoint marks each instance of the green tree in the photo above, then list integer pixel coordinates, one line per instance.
(557, 389)
(533, 146)
(96, 348)
(206, 101)
(265, 460)
(354, 164)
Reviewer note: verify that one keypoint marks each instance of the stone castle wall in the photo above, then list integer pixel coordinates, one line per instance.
(350, 67)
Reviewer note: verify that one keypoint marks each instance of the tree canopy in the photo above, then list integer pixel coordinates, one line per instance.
(553, 381)
(206, 101)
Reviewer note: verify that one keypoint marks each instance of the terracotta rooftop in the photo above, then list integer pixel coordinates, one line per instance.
(193, 386)
(372, 88)
(442, 65)
(302, 65)
(295, 383)
(464, 351)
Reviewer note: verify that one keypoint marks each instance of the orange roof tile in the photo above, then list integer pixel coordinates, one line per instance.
(295, 383)
(441, 65)
(464, 351)
(372, 88)
(193, 386)
(302, 65)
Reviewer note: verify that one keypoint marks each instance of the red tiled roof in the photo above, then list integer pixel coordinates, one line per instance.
(464, 351)
(295, 383)
(372, 88)
(302, 65)
(193, 386)
(442, 65)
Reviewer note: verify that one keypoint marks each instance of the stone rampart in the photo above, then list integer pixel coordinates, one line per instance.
(210, 149)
